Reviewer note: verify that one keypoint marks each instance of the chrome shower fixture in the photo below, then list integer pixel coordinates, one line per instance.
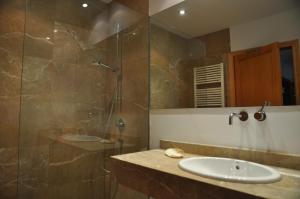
(99, 63)
(261, 115)
(243, 116)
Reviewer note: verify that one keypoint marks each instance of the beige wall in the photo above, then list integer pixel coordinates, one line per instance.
(278, 133)
(276, 28)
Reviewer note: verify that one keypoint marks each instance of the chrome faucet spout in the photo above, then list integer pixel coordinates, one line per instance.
(243, 116)
(231, 117)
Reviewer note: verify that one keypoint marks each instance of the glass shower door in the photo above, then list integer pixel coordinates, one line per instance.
(85, 68)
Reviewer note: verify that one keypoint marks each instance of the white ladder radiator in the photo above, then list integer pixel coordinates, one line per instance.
(209, 86)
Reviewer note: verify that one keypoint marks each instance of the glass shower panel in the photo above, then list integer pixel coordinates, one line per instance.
(84, 97)
(12, 13)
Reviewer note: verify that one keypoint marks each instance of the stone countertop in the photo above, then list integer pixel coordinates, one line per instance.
(287, 188)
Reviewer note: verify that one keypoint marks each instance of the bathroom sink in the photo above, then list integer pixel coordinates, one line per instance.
(230, 169)
(83, 138)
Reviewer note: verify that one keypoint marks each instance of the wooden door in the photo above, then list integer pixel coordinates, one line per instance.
(255, 76)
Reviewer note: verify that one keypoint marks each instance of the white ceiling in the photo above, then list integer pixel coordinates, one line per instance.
(156, 6)
(207, 16)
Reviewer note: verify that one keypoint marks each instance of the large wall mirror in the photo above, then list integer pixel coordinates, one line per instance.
(225, 53)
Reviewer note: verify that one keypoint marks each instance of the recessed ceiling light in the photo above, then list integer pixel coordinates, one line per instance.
(48, 38)
(182, 12)
(85, 5)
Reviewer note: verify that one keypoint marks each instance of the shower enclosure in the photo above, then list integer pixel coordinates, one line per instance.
(73, 92)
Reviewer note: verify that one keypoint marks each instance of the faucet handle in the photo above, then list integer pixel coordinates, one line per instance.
(260, 115)
(243, 116)
(266, 103)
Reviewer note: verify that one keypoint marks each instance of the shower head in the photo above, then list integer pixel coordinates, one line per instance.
(99, 63)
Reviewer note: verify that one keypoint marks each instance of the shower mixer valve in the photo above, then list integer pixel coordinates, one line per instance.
(120, 124)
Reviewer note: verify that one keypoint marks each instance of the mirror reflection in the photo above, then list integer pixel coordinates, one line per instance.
(215, 53)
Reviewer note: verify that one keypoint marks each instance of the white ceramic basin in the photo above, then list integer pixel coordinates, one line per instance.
(230, 169)
(83, 138)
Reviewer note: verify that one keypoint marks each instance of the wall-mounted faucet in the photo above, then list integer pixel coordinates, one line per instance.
(260, 115)
(243, 116)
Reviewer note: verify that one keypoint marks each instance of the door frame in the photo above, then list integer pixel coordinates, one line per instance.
(294, 44)
(231, 92)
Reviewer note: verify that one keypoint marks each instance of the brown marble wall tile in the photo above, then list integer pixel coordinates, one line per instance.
(171, 75)
(135, 82)
(63, 91)
(172, 61)
(39, 29)
(134, 103)
(12, 16)
(78, 190)
(33, 171)
(75, 173)
(8, 172)
(73, 164)
(125, 192)
(135, 42)
(216, 43)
